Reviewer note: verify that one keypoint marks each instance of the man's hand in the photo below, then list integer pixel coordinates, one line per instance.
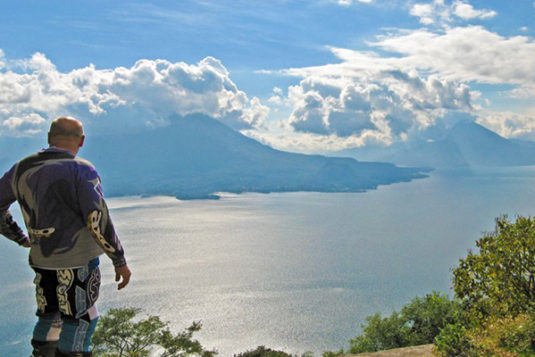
(124, 273)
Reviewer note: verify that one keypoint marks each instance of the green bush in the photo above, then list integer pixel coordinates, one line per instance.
(506, 337)
(453, 341)
(518, 334)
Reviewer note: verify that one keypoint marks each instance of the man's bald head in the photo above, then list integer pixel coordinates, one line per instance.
(66, 126)
(66, 133)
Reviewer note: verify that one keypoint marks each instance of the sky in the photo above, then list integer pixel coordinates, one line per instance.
(307, 76)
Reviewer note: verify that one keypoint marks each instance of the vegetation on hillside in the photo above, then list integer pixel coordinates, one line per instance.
(492, 314)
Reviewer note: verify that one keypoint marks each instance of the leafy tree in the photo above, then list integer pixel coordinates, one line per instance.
(119, 336)
(500, 280)
(427, 316)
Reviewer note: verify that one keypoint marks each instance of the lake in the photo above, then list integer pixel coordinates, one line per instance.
(292, 271)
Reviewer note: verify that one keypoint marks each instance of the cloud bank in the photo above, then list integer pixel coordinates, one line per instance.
(33, 92)
(411, 80)
(382, 107)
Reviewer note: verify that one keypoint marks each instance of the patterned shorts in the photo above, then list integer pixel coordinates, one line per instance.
(72, 292)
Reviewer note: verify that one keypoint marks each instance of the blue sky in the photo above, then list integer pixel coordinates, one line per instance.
(309, 76)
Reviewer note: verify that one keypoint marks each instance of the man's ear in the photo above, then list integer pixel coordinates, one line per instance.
(82, 141)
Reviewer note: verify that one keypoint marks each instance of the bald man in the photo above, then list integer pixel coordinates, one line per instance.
(68, 229)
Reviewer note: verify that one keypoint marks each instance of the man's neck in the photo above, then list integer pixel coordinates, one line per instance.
(74, 152)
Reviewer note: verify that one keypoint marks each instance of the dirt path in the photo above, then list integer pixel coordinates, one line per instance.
(416, 351)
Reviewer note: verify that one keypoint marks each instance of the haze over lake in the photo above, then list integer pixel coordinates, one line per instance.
(292, 271)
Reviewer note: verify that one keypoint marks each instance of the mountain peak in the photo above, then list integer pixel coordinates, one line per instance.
(465, 144)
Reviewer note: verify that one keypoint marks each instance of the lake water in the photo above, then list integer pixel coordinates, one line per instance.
(292, 271)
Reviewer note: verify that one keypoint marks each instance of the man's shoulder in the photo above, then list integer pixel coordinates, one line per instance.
(30, 156)
(28, 162)
(83, 162)
(85, 167)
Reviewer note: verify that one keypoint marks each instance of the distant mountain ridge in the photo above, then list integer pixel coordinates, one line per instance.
(194, 157)
(467, 144)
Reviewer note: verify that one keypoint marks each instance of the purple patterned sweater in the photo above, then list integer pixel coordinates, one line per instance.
(63, 208)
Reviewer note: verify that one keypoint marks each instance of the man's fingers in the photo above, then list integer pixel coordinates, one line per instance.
(125, 281)
(124, 273)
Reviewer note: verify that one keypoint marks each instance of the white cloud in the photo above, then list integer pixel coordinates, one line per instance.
(384, 105)
(523, 92)
(437, 12)
(25, 125)
(467, 11)
(253, 115)
(306, 142)
(275, 99)
(150, 91)
(424, 12)
(510, 124)
(465, 53)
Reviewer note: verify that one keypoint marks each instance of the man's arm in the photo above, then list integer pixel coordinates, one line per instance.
(8, 227)
(99, 223)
